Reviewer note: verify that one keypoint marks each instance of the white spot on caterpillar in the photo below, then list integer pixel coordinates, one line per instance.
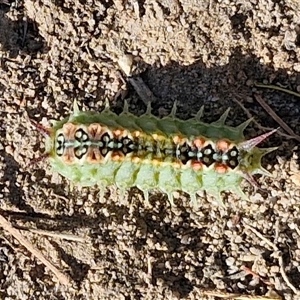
(199, 155)
(232, 163)
(60, 138)
(111, 144)
(207, 151)
(106, 138)
(60, 151)
(233, 153)
(78, 134)
(206, 160)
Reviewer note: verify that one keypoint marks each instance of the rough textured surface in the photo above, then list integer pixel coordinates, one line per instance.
(195, 52)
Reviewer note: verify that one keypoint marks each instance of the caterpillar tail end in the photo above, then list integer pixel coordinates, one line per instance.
(251, 163)
(250, 144)
(257, 155)
(262, 153)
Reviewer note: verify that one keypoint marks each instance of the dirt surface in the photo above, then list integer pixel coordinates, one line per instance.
(195, 52)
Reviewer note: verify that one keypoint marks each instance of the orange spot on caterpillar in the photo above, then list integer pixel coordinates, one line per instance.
(93, 156)
(136, 134)
(136, 159)
(69, 157)
(69, 130)
(176, 139)
(199, 143)
(157, 137)
(223, 145)
(179, 140)
(117, 156)
(176, 164)
(156, 162)
(220, 168)
(197, 165)
(94, 130)
(118, 132)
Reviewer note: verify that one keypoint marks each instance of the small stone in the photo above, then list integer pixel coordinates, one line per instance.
(9, 150)
(125, 62)
(230, 261)
(295, 179)
(169, 29)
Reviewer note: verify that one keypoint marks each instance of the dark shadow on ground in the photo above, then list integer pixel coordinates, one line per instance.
(20, 36)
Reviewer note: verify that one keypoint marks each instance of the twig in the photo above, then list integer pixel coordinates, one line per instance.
(25, 31)
(278, 88)
(249, 271)
(279, 256)
(64, 236)
(125, 63)
(225, 295)
(64, 198)
(142, 90)
(263, 128)
(270, 111)
(297, 230)
(63, 279)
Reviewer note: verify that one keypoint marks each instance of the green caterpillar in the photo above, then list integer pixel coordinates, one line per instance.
(168, 154)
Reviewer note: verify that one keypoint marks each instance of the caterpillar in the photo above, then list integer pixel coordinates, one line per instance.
(167, 154)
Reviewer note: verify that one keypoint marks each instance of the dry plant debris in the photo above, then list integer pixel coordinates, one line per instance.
(63, 279)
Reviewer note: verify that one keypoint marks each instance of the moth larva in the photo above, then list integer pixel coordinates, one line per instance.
(168, 154)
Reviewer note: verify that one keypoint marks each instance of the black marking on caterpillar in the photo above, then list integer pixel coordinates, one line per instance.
(168, 154)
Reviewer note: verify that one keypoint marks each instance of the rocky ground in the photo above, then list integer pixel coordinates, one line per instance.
(194, 52)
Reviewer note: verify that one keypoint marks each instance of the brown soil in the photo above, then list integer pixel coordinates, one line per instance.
(195, 52)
